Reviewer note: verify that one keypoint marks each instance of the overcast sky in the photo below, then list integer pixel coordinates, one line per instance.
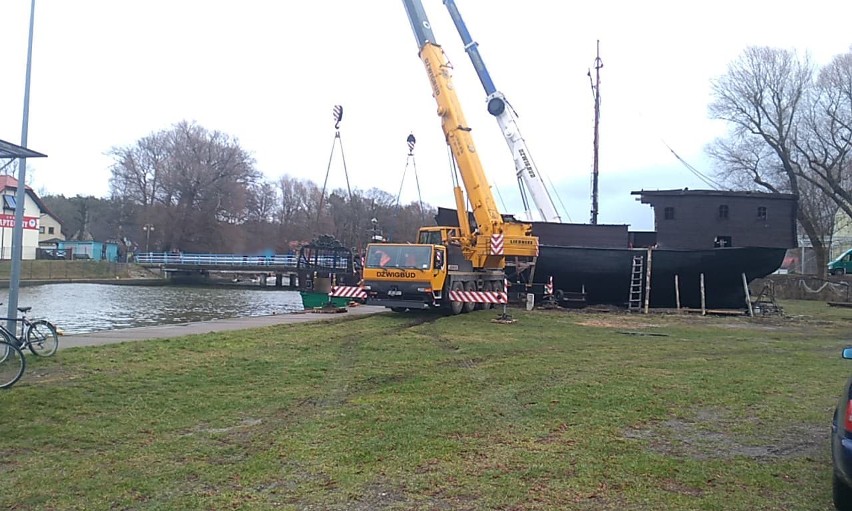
(108, 72)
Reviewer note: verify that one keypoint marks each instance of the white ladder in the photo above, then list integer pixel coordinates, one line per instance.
(634, 302)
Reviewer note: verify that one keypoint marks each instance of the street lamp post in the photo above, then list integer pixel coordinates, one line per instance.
(147, 228)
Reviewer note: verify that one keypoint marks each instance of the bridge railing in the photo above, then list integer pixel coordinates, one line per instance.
(287, 260)
(215, 259)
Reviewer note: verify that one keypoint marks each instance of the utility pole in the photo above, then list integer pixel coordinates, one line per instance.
(147, 228)
(20, 193)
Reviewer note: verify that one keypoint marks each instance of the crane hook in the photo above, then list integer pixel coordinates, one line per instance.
(337, 112)
(411, 141)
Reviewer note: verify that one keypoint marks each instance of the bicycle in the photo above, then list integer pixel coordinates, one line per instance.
(38, 336)
(12, 364)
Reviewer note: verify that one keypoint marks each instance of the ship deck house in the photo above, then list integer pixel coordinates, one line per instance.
(702, 219)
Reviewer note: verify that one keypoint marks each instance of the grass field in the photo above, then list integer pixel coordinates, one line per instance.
(561, 410)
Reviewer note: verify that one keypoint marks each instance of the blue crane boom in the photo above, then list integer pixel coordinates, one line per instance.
(525, 169)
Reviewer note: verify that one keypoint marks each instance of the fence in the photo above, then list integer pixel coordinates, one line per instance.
(805, 287)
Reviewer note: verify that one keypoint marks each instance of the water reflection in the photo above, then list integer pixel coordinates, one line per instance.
(84, 308)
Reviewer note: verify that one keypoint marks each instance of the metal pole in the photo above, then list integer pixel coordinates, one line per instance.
(677, 292)
(147, 228)
(20, 195)
(648, 282)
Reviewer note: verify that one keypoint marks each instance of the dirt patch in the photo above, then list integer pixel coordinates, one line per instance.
(465, 363)
(617, 322)
(708, 435)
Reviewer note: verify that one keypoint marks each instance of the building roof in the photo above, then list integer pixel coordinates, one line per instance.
(686, 192)
(7, 182)
(87, 242)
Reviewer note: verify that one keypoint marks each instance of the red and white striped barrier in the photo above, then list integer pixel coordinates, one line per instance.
(548, 288)
(348, 292)
(478, 296)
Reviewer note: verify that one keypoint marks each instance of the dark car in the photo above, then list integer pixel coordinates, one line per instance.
(841, 446)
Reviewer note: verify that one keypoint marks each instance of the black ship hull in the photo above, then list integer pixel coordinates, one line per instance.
(604, 274)
(701, 233)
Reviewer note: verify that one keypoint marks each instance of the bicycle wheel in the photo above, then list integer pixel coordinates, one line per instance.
(8, 338)
(41, 338)
(12, 364)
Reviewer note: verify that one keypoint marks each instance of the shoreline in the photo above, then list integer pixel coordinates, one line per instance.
(4, 284)
(205, 327)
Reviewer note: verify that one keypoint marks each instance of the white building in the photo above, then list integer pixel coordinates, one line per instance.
(33, 207)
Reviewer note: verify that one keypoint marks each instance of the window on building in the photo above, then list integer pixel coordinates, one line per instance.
(9, 202)
(761, 212)
(41, 230)
(723, 211)
(668, 213)
(50, 230)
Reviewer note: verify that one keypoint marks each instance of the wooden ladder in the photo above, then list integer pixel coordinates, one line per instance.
(636, 276)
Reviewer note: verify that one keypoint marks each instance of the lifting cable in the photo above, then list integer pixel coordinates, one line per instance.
(708, 181)
(410, 160)
(337, 114)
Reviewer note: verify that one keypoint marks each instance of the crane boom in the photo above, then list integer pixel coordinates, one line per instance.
(516, 236)
(498, 106)
(453, 268)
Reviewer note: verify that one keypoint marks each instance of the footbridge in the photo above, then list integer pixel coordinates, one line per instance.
(194, 267)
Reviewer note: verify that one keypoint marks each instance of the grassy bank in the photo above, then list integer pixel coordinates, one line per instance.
(562, 410)
(73, 270)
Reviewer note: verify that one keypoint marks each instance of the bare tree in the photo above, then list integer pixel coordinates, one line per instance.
(825, 140)
(201, 192)
(296, 198)
(191, 180)
(137, 170)
(262, 202)
(764, 97)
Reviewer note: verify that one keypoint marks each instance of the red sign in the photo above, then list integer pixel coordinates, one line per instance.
(8, 221)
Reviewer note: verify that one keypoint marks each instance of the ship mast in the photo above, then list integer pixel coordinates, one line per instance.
(596, 93)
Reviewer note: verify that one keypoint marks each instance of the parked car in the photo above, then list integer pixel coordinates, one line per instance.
(841, 446)
(842, 265)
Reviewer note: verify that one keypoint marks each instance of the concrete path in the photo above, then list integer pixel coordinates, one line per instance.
(204, 327)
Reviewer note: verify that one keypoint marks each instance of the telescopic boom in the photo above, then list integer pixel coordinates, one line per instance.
(525, 169)
(515, 237)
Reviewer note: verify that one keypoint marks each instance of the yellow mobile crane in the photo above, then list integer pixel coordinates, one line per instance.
(451, 267)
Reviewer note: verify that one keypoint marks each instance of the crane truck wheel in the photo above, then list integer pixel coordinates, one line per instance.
(456, 307)
(469, 287)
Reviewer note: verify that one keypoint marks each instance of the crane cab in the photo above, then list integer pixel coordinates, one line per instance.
(405, 275)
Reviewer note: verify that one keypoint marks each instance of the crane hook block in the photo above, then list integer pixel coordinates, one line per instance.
(411, 141)
(337, 112)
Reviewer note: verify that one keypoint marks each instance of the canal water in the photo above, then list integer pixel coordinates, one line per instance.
(85, 308)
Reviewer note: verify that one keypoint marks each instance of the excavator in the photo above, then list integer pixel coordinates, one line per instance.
(452, 268)
(525, 169)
